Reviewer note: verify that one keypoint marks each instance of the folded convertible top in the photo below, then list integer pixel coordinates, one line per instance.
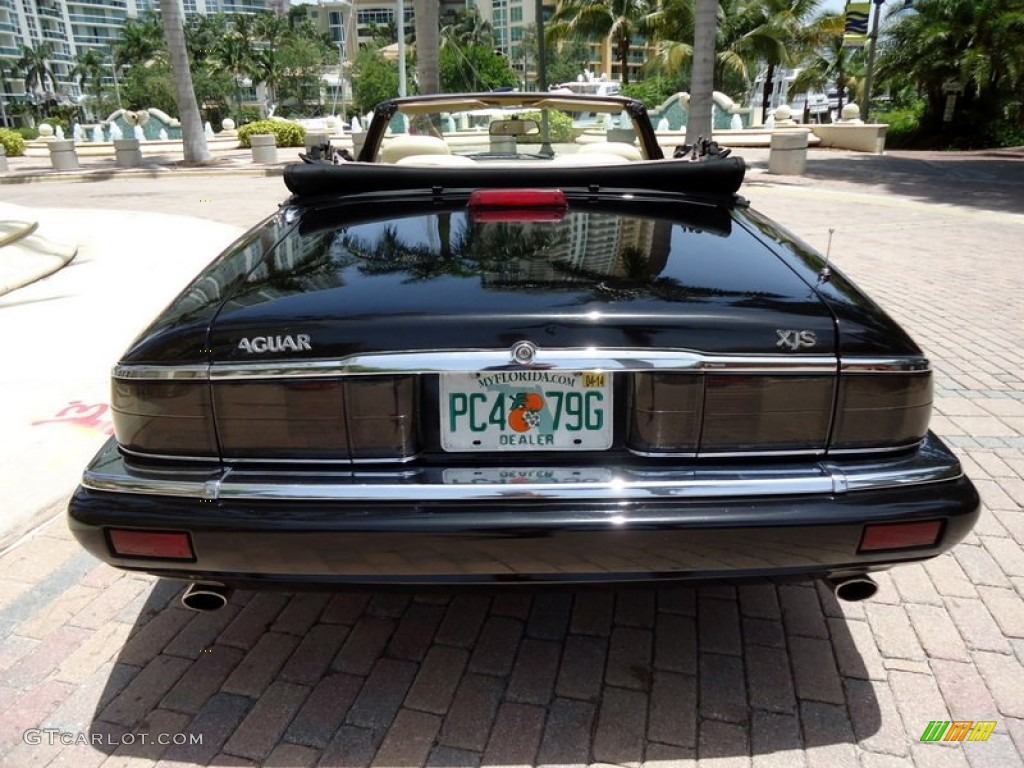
(713, 179)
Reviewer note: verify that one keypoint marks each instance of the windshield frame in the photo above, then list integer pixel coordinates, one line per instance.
(539, 100)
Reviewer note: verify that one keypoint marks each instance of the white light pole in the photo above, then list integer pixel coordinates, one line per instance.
(402, 86)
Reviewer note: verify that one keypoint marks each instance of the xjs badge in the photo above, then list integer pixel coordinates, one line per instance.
(257, 345)
(794, 340)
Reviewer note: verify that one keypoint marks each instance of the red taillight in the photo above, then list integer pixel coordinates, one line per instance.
(518, 205)
(166, 545)
(886, 536)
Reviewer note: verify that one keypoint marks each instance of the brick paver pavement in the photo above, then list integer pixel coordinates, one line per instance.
(719, 675)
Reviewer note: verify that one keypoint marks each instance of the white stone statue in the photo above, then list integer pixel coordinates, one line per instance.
(851, 114)
(784, 116)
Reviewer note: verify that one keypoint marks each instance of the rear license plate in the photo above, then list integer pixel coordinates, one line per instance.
(526, 411)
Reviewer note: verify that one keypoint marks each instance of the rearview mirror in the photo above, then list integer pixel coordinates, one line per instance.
(513, 128)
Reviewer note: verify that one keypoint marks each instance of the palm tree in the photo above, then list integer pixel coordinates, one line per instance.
(89, 69)
(34, 65)
(772, 32)
(469, 29)
(202, 34)
(271, 31)
(599, 20)
(832, 64)
(671, 26)
(5, 87)
(192, 134)
(428, 70)
(702, 82)
(234, 54)
(142, 42)
(979, 43)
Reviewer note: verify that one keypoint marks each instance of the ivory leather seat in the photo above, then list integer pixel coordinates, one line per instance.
(627, 151)
(403, 145)
(447, 161)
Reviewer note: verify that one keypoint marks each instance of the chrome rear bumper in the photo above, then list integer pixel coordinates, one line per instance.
(932, 462)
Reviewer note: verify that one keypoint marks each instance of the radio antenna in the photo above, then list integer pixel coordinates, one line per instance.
(826, 273)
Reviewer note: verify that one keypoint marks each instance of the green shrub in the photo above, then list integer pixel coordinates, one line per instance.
(904, 125)
(12, 141)
(28, 134)
(559, 128)
(246, 115)
(55, 121)
(652, 91)
(287, 134)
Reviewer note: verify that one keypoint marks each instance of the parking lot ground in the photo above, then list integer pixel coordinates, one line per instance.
(99, 667)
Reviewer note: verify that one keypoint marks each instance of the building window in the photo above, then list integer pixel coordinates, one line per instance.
(378, 16)
(517, 13)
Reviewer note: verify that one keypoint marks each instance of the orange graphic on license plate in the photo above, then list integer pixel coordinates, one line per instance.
(525, 412)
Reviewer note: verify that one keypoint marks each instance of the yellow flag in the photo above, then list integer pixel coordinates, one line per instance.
(856, 32)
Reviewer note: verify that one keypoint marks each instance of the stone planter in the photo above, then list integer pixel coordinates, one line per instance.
(859, 137)
(127, 153)
(316, 138)
(358, 139)
(62, 155)
(3, 160)
(264, 148)
(788, 153)
(505, 145)
(624, 135)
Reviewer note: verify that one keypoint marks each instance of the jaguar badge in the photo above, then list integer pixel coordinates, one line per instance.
(523, 352)
(257, 345)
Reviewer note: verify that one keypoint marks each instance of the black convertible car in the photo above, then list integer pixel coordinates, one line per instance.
(492, 351)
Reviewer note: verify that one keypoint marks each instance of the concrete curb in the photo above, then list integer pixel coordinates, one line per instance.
(151, 172)
(28, 255)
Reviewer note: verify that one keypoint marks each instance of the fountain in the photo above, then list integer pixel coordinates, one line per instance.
(77, 133)
(97, 134)
(138, 133)
(116, 134)
(609, 122)
(736, 122)
(663, 124)
(163, 134)
(208, 130)
(58, 133)
(355, 127)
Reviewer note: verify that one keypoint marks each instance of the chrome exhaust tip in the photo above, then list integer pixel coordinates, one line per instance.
(853, 588)
(204, 597)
